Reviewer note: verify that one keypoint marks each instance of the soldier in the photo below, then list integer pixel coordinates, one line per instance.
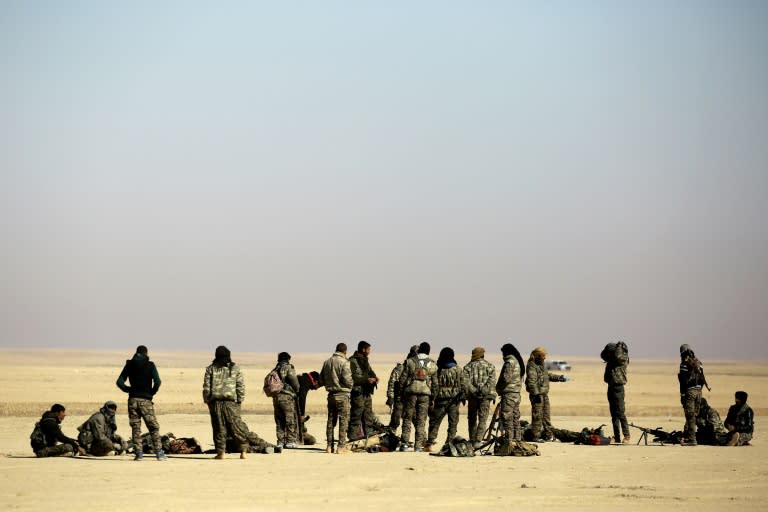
(98, 435)
(144, 381)
(308, 381)
(740, 421)
(284, 404)
(446, 397)
(224, 391)
(537, 381)
(394, 394)
(417, 381)
(362, 420)
(508, 387)
(48, 433)
(480, 376)
(336, 376)
(691, 378)
(709, 427)
(616, 357)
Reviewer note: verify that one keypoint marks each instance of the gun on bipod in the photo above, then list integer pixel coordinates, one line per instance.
(659, 436)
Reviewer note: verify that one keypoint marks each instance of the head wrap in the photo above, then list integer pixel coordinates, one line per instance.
(283, 357)
(414, 350)
(478, 353)
(424, 348)
(509, 349)
(446, 358)
(222, 356)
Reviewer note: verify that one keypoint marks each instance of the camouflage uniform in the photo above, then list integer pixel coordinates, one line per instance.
(394, 397)
(224, 391)
(446, 397)
(417, 381)
(615, 375)
(98, 434)
(691, 382)
(336, 376)
(362, 420)
(480, 376)
(144, 384)
(284, 405)
(709, 427)
(508, 387)
(537, 381)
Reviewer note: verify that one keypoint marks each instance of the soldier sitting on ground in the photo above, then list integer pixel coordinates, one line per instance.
(740, 421)
(48, 440)
(98, 435)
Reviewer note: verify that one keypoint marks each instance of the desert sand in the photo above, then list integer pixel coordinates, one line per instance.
(564, 477)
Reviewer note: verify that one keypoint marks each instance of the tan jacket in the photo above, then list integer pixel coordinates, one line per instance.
(336, 375)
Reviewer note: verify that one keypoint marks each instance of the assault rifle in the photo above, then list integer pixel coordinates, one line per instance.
(659, 436)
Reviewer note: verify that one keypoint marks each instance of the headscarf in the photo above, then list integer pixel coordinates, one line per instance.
(478, 353)
(222, 357)
(509, 349)
(538, 353)
(446, 358)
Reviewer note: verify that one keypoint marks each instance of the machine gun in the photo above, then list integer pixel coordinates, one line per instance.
(659, 436)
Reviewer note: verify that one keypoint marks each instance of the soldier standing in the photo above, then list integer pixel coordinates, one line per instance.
(417, 381)
(691, 378)
(284, 404)
(394, 394)
(508, 387)
(446, 397)
(362, 420)
(480, 376)
(537, 381)
(144, 381)
(336, 376)
(616, 357)
(224, 391)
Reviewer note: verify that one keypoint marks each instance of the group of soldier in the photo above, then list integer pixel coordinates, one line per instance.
(419, 389)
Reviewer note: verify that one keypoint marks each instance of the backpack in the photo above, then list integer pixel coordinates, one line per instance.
(37, 438)
(420, 373)
(457, 447)
(593, 436)
(273, 384)
(505, 447)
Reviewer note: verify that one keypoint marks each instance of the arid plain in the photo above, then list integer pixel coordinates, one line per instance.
(564, 477)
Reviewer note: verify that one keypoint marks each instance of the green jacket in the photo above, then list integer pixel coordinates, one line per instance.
(537, 378)
(480, 376)
(223, 383)
(510, 380)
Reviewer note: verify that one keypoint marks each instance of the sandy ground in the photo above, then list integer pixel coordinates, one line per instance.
(564, 477)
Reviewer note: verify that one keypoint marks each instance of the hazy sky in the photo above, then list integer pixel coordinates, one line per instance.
(284, 175)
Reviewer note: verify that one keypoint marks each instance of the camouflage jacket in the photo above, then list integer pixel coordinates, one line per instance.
(419, 376)
(393, 386)
(709, 419)
(451, 384)
(361, 371)
(99, 428)
(537, 378)
(480, 377)
(223, 383)
(336, 374)
(290, 381)
(510, 380)
(616, 367)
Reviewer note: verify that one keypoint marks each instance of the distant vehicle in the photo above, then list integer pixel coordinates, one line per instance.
(561, 366)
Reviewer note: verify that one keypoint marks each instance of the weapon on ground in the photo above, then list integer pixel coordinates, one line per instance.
(659, 436)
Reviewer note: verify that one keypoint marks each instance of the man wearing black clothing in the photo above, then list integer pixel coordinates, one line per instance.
(50, 426)
(144, 381)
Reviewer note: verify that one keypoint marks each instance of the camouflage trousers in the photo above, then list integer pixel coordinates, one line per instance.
(59, 450)
(541, 425)
(616, 406)
(102, 447)
(397, 415)
(338, 412)
(139, 408)
(255, 444)
(691, 401)
(478, 410)
(440, 410)
(509, 416)
(415, 411)
(227, 423)
(362, 420)
(286, 419)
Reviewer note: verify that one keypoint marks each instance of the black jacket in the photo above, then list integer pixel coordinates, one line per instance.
(50, 425)
(142, 375)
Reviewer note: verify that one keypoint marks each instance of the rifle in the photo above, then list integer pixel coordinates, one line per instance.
(659, 436)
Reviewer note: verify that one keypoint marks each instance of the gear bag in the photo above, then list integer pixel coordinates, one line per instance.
(505, 447)
(273, 384)
(37, 438)
(457, 447)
